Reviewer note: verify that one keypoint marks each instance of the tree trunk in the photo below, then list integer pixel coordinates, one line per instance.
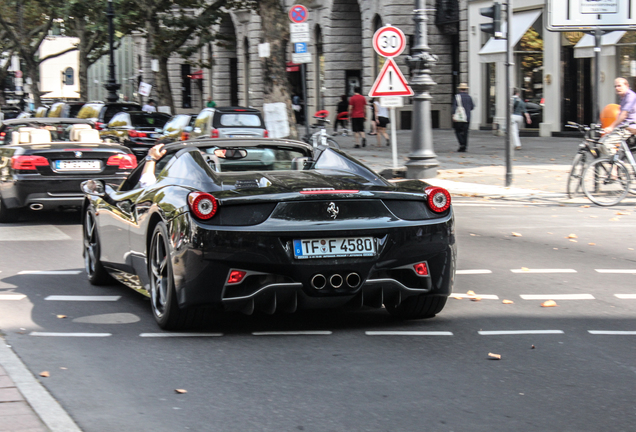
(163, 85)
(276, 88)
(33, 71)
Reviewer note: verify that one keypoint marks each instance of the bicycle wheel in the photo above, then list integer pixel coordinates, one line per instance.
(576, 173)
(333, 143)
(632, 175)
(606, 182)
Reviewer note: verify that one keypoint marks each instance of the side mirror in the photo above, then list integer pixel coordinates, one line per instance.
(93, 188)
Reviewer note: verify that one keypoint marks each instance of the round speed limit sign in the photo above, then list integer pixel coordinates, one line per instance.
(389, 41)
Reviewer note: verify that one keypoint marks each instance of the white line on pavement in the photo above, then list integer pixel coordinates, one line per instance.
(517, 332)
(611, 332)
(49, 272)
(167, 335)
(626, 296)
(557, 296)
(481, 296)
(523, 270)
(81, 298)
(409, 333)
(53, 334)
(474, 271)
(628, 271)
(292, 333)
(12, 296)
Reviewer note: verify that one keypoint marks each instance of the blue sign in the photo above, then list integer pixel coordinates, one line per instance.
(298, 14)
(300, 47)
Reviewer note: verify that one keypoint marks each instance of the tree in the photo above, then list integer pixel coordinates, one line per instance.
(27, 23)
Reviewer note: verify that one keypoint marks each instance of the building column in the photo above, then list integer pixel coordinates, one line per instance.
(552, 90)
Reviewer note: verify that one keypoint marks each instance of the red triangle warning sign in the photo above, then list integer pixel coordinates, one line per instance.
(390, 82)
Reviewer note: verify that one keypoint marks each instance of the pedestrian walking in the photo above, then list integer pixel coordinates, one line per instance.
(342, 107)
(358, 114)
(461, 107)
(373, 126)
(381, 120)
(518, 113)
(149, 106)
(297, 107)
(211, 103)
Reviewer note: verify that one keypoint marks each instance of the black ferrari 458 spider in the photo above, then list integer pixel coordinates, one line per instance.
(270, 225)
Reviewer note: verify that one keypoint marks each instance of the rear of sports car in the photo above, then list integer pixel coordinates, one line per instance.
(318, 248)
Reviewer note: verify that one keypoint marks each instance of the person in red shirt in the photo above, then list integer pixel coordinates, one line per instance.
(358, 114)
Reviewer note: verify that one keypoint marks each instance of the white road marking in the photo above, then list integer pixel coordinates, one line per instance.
(49, 272)
(12, 296)
(36, 233)
(170, 335)
(52, 334)
(626, 296)
(481, 296)
(517, 332)
(409, 333)
(618, 271)
(81, 298)
(543, 270)
(474, 271)
(292, 333)
(611, 332)
(557, 296)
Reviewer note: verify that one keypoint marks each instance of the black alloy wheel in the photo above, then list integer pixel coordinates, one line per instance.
(418, 307)
(6, 214)
(97, 274)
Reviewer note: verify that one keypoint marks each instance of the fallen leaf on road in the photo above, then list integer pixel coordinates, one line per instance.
(620, 213)
(571, 236)
(585, 206)
(470, 293)
(493, 356)
(630, 248)
(475, 298)
(532, 347)
(508, 302)
(458, 297)
(614, 219)
(549, 232)
(63, 368)
(473, 234)
(549, 303)
(515, 234)
(592, 244)
(552, 159)
(574, 241)
(61, 316)
(180, 391)
(593, 216)
(45, 374)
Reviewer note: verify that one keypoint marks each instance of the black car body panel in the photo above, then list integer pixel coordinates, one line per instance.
(137, 130)
(263, 215)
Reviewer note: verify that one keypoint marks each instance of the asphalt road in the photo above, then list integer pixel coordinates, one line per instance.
(564, 368)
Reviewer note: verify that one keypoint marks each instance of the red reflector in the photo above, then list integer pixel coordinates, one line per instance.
(29, 163)
(266, 134)
(123, 161)
(137, 134)
(438, 198)
(214, 133)
(421, 269)
(236, 276)
(240, 110)
(328, 192)
(202, 204)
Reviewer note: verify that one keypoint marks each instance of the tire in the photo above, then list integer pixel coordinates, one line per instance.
(333, 143)
(606, 182)
(6, 214)
(165, 308)
(573, 186)
(97, 274)
(632, 175)
(418, 307)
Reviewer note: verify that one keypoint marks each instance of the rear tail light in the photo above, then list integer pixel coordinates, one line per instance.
(137, 134)
(99, 125)
(214, 133)
(421, 269)
(439, 200)
(266, 134)
(185, 136)
(28, 163)
(236, 276)
(123, 161)
(202, 204)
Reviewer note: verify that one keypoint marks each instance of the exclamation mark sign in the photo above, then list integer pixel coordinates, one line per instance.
(390, 80)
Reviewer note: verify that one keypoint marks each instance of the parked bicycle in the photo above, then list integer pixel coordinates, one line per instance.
(588, 150)
(320, 137)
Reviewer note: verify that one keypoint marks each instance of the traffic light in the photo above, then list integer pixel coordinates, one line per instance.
(494, 27)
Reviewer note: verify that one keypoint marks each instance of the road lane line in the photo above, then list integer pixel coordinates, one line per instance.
(81, 298)
(54, 334)
(473, 272)
(617, 271)
(292, 333)
(474, 296)
(611, 332)
(50, 272)
(409, 333)
(626, 296)
(12, 296)
(557, 296)
(517, 332)
(543, 270)
(171, 335)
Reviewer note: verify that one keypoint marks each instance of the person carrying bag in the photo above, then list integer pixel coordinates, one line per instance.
(462, 106)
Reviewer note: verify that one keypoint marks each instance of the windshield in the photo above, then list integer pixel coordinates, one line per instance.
(240, 120)
(334, 160)
(261, 158)
(148, 120)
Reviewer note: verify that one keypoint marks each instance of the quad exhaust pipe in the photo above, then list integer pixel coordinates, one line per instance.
(36, 206)
(335, 281)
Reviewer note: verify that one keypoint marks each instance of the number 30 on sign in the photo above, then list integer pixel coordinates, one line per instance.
(389, 41)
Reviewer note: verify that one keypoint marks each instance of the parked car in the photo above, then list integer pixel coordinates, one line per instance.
(40, 173)
(178, 128)
(270, 225)
(229, 122)
(9, 112)
(59, 128)
(65, 109)
(102, 112)
(137, 130)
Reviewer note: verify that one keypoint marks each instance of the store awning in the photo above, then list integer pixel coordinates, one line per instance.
(495, 49)
(585, 47)
(198, 75)
(292, 67)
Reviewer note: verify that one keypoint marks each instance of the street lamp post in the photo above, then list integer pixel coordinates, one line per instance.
(111, 85)
(422, 160)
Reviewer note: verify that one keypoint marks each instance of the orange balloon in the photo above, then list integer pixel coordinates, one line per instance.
(609, 114)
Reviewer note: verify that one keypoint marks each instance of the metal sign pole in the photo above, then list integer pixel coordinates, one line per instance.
(394, 140)
(509, 104)
(304, 82)
(597, 74)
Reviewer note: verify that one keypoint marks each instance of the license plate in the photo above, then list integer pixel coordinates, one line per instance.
(334, 247)
(78, 165)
